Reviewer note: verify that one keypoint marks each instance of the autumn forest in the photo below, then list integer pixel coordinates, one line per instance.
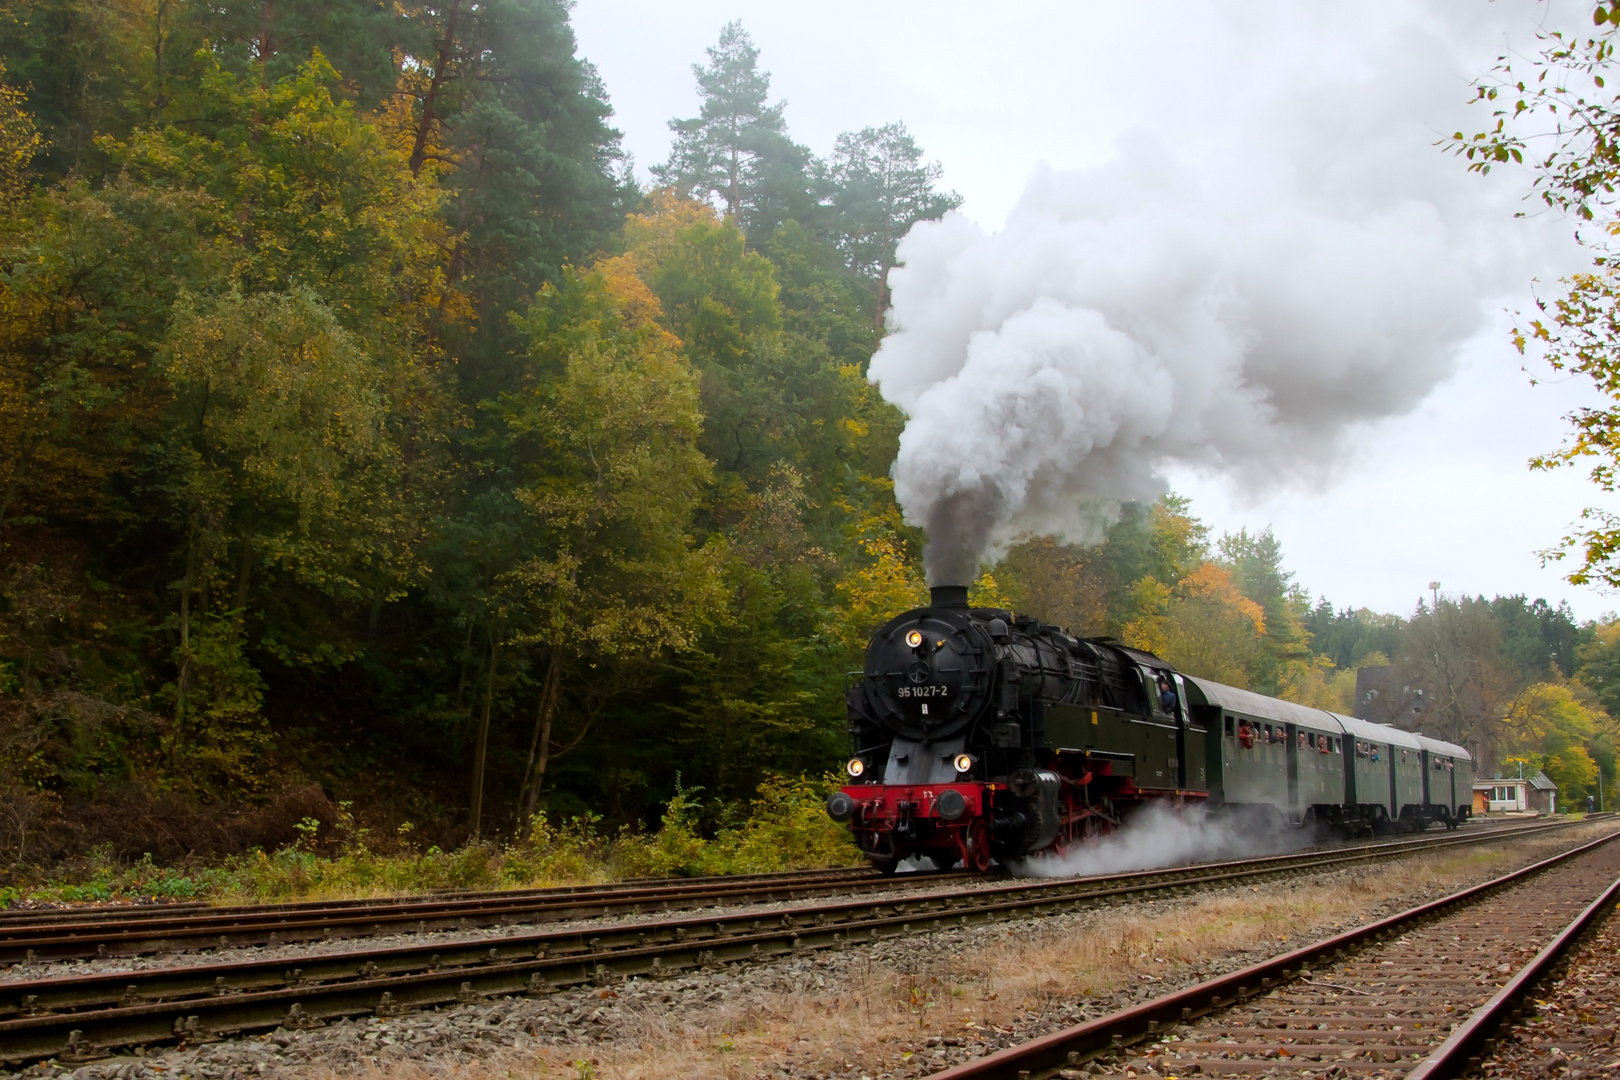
(371, 436)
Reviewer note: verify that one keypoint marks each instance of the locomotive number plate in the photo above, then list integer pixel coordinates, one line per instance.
(924, 691)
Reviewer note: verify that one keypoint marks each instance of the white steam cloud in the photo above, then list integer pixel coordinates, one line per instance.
(1159, 836)
(1240, 316)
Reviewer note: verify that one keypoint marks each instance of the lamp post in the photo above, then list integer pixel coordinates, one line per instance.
(1434, 591)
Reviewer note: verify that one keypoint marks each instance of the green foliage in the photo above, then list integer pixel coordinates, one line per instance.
(879, 187)
(737, 149)
(609, 468)
(278, 440)
(1563, 105)
(1256, 566)
(1351, 637)
(1551, 728)
(218, 736)
(1599, 665)
(337, 444)
(785, 827)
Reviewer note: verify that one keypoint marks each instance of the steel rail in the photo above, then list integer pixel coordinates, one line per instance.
(24, 918)
(273, 924)
(203, 1001)
(87, 922)
(1452, 1057)
(221, 928)
(1073, 1046)
(1028, 893)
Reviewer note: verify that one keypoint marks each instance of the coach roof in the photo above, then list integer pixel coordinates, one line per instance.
(1358, 728)
(1437, 746)
(1252, 704)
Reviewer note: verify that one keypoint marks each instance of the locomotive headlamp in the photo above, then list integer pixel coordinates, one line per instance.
(963, 762)
(914, 639)
(855, 767)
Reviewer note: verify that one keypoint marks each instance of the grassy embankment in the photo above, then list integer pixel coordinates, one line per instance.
(786, 828)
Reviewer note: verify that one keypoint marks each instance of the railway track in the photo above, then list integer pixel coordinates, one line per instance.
(82, 1016)
(159, 911)
(1415, 994)
(124, 932)
(136, 932)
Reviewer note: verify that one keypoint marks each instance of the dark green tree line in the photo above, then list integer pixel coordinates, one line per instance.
(360, 422)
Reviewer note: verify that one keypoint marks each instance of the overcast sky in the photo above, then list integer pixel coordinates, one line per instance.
(1347, 102)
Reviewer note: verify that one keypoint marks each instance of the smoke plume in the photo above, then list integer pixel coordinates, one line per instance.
(1240, 315)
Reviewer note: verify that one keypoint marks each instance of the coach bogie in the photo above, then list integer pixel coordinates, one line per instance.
(1448, 781)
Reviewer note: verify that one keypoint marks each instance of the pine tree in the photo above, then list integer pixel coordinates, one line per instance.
(736, 152)
(880, 187)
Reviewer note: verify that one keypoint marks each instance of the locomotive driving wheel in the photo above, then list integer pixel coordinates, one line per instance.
(978, 847)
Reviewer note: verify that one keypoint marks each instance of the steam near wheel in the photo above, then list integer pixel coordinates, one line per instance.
(978, 733)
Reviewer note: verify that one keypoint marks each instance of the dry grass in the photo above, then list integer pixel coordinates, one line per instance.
(875, 1018)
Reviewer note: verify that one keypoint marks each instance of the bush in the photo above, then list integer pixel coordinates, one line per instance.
(786, 828)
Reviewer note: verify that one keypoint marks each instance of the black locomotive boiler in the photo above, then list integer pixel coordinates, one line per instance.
(979, 734)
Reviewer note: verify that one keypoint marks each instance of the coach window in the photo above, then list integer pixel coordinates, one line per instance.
(1231, 726)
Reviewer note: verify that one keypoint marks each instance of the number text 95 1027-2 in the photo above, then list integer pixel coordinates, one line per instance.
(924, 691)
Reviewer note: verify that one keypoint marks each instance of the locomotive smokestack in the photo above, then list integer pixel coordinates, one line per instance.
(948, 596)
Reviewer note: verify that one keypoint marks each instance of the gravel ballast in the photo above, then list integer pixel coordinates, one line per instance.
(954, 978)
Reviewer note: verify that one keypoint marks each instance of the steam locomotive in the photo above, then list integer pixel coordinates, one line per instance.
(979, 734)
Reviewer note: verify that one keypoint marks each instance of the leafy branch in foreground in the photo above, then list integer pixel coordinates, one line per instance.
(1566, 108)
